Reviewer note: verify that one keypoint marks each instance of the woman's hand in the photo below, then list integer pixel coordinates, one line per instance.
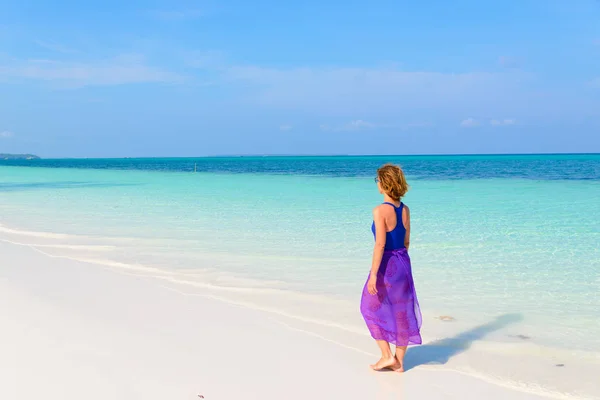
(372, 284)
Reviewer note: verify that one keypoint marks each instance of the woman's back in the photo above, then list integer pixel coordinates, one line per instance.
(394, 239)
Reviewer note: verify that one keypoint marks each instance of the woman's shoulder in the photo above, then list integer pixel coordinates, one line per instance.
(379, 209)
(405, 211)
(383, 208)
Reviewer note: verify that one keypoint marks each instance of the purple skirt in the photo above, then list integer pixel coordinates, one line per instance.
(393, 314)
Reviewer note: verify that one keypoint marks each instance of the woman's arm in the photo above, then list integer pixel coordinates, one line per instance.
(380, 234)
(406, 222)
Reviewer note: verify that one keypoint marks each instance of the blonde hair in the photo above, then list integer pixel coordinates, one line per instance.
(392, 181)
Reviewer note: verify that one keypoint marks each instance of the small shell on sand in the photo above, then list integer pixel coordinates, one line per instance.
(446, 318)
(524, 337)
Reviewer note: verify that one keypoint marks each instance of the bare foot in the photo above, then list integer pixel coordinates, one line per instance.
(384, 363)
(397, 367)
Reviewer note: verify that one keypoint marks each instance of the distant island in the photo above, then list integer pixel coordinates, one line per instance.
(18, 157)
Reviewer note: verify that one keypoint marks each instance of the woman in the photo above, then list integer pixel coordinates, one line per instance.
(389, 302)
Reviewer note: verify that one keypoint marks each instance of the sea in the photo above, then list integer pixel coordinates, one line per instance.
(510, 243)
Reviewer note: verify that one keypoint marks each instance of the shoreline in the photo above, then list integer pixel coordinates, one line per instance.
(357, 351)
(107, 252)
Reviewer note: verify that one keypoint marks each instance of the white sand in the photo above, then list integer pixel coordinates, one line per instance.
(74, 330)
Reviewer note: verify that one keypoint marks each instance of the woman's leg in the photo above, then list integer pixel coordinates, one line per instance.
(400, 352)
(387, 359)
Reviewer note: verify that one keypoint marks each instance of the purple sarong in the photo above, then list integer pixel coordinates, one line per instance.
(393, 314)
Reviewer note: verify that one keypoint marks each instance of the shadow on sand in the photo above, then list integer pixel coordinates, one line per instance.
(440, 351)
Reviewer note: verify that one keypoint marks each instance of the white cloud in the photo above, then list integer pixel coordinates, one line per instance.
(361, 125)
(469, 123)
(503, 122)
(358, 125)
(388, 90)
(355, 125)
(6, 134)
(120, 70)
(419, 125)
(284, 128)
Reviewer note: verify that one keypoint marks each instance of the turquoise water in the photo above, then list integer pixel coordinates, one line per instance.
(491, 234)
(539, 167)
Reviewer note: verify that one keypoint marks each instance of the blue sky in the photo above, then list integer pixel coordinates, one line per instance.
(192, 78)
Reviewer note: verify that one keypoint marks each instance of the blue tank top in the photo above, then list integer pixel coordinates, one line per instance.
(394, 239)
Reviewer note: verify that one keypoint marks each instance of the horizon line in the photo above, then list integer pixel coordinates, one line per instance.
(319, 155)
